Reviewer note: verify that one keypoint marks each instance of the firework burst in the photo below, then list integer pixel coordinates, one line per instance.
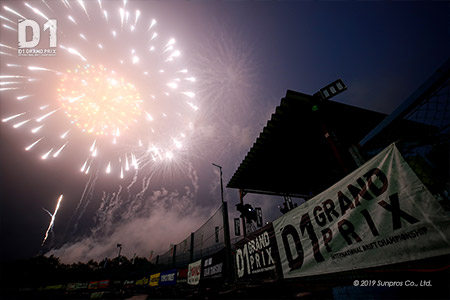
(120, 96)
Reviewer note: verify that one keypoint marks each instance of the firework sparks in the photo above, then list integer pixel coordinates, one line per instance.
(99, 102)
(134, 104)
(12, 117)
(52, 220)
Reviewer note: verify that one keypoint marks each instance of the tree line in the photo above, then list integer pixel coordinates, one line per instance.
(41, 271)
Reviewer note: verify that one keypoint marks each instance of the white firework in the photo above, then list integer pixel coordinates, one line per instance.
(52, 220)
(114, 89)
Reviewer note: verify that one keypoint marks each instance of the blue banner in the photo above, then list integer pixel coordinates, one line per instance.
(168, 277)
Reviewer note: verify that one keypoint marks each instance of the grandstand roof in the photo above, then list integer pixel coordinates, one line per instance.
(292, 157)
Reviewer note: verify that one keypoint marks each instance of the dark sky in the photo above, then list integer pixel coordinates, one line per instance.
(244, 56)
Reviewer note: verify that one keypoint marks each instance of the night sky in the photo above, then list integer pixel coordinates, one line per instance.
(244, 55)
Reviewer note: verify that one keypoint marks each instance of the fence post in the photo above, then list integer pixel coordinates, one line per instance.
(191, 258)
(226, 233)
(174, 255)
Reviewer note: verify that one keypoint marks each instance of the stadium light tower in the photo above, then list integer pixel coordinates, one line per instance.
(331, 90)
(325, 93)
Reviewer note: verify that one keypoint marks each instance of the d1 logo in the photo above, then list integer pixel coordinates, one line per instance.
(23, 24)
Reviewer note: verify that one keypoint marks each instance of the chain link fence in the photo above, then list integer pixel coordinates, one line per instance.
(421, 132)
(206, 240)
(210, 237)
(428, 153)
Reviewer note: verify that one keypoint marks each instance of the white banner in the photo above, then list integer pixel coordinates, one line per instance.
(379, 214)
(194, 272)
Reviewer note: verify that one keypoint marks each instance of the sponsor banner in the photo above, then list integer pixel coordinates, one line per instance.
(379, 214)
(194, 271)
(168, 277)
(128, 283)
(81, 285)
(103, 284)
(143, 281)
(154, 279)
(257, 256)
(93, 285)
(182, 275)
(213, 266)
(71, 286)
(116, 283)
(55, 287)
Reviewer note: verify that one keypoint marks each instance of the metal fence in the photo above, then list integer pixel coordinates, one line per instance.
(421, 129)
(210, 237)
(206, 240)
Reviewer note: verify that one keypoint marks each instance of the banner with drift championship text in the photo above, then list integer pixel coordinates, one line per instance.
(379, 214)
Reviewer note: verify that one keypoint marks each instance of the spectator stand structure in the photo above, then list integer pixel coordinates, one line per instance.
(311, 145)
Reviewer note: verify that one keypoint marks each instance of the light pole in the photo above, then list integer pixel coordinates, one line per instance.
(221, 182)
(226, 229)
(324, 94)
(120, 249)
